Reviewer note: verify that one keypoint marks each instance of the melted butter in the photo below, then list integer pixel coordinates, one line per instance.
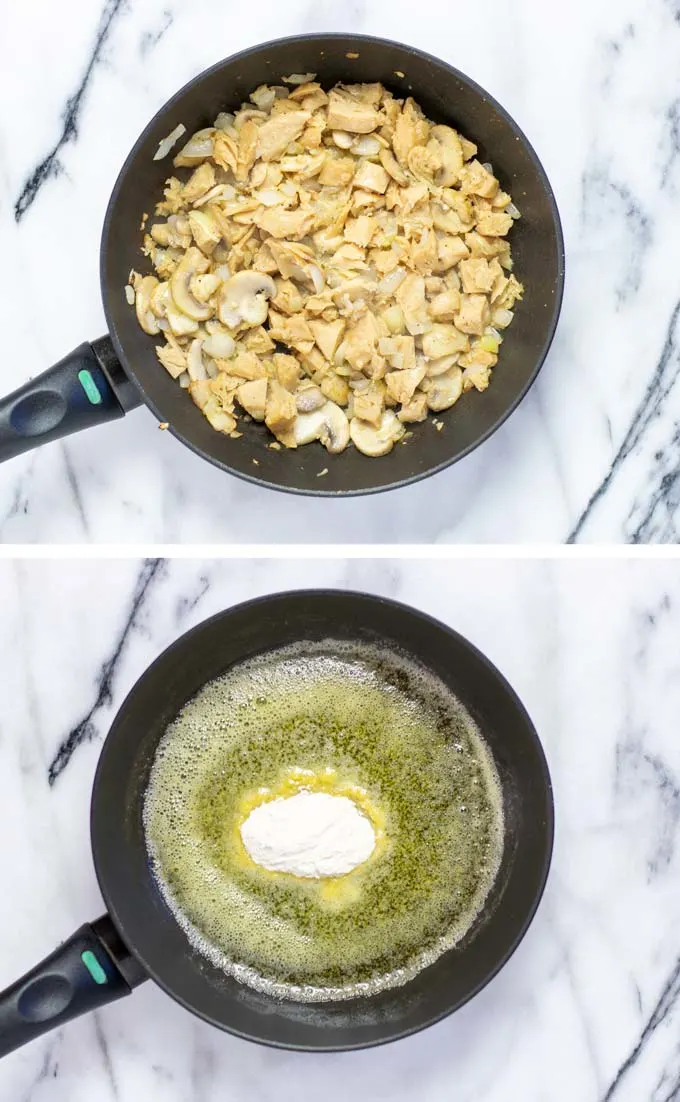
(349, 721)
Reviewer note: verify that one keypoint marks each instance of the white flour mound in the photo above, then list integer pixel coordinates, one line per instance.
(311, 834)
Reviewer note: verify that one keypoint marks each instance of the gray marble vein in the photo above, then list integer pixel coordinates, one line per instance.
(151, 38)
(645, 417)
(51, 165)
(85, 729)
(665, 1006)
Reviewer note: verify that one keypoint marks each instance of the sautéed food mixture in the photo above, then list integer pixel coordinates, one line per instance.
(332, 264)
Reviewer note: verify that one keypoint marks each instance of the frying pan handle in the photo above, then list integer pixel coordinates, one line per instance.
(87, 387)
(90, 969)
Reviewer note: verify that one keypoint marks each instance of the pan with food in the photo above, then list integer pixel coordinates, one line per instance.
(217, 939)
(329, 254)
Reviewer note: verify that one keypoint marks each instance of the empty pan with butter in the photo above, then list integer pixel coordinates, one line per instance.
(325, 271)
(321, 820)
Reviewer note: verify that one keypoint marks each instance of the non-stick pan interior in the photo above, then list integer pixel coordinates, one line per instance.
(147, 925)
(446, 96)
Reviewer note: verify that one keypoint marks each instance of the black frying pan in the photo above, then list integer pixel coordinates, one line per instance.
(139, 937)
(103, 380)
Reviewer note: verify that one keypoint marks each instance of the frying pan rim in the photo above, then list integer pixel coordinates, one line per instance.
(547, 826)
(558, 235)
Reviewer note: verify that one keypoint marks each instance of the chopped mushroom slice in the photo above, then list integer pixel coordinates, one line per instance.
(444, 340)
(445, 390)
(243, 299)
(376, 441)
(391, 165)
(164, 307)
(192, 263)
(329, 425)
(441, 365)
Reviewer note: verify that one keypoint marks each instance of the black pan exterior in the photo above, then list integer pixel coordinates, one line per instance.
(145, 922)
(446, 96)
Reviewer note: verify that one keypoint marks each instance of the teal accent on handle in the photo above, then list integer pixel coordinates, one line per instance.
(90, 387)
(93, 966)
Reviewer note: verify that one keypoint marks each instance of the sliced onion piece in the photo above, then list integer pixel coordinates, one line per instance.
(224, 121)
(342, 139)
(299, 78)
(389, 283)
(316, 276)
(167, 143)
(219, 345)
(366, 146)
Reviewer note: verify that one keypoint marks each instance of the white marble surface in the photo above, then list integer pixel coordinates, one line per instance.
(588, 1008)
(594, 451)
